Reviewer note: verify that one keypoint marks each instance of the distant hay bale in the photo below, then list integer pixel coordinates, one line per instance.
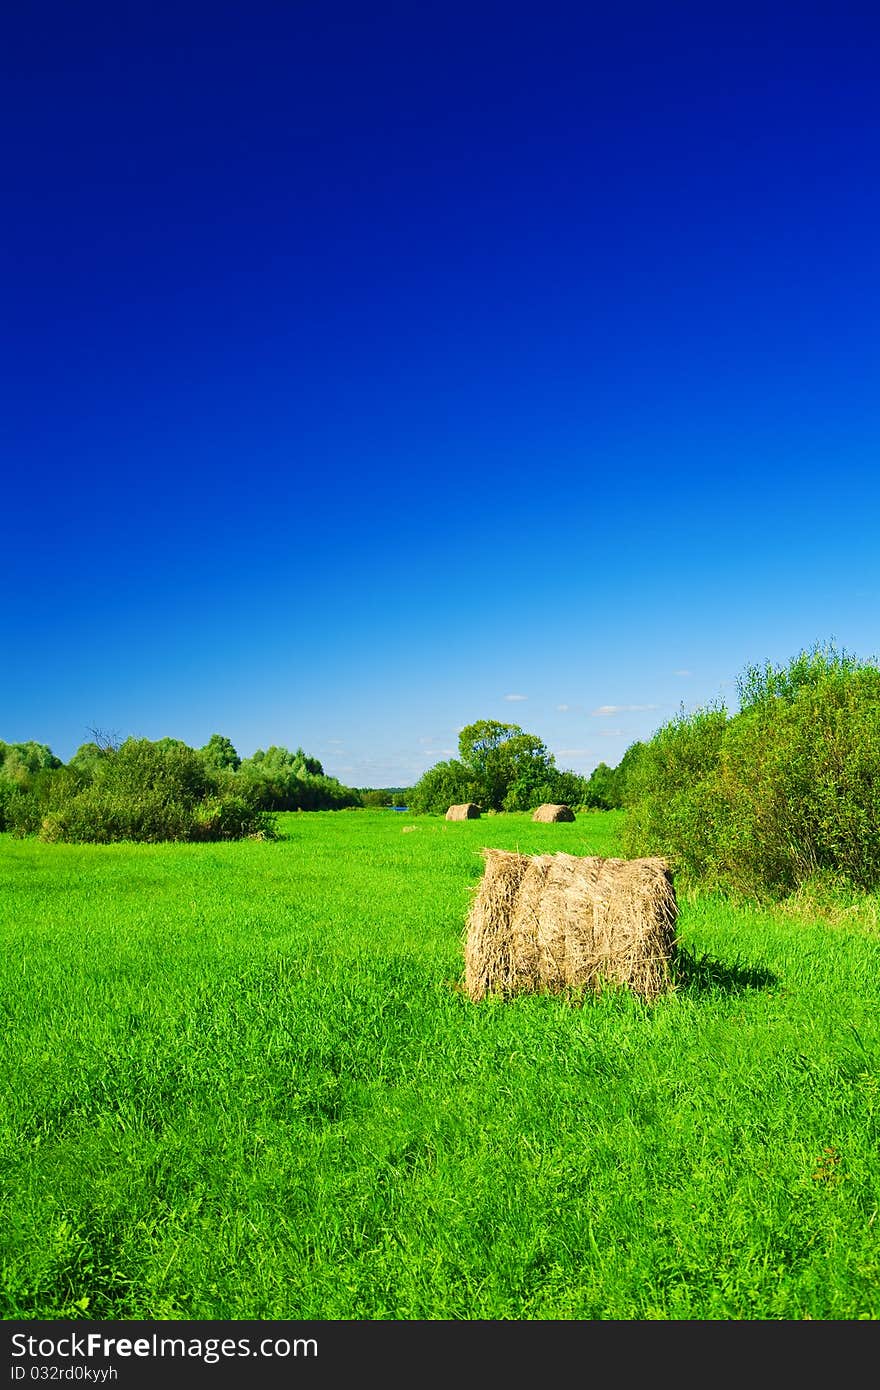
(550, 812)
(549, 922)
(468, 810)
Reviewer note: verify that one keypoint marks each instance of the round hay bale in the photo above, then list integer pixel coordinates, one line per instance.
(468, 810)
(545, 923)
(551, 812)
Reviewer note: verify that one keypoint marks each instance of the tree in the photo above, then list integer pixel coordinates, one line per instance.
(385, 796)
(569, 788)
(86, 759)
(601, 788)
(283, 781)
(138, 791)
(218, 753)
(443, 785)
(512, 768)
(19, 761)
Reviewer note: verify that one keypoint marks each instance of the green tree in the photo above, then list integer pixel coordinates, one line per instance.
(784, 789)
(675, 804)
(602, 788)
(385, 796)
(218, 753)
(443, 785)
(569, 789)
(507, 764)
(19, 761)
(281, 780)
(140, 790)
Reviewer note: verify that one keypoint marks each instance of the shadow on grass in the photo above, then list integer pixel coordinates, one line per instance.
(696, 974)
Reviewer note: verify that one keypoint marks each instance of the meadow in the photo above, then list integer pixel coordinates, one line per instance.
(242, 1081)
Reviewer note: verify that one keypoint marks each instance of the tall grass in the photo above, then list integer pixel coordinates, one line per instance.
(242, 1081)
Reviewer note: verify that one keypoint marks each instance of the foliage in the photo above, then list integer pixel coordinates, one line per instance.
(385, 796)
(443, 785)
(800, 774)
(500, 767)
(785, 788)
(674, 805)
(762, 684)
(512, 768)
(601, 789)
(278, 780)
(142, 790)
(568, 789)
(23, 766)
(218, 753)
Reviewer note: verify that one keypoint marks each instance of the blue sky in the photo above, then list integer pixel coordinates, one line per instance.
(372, 369)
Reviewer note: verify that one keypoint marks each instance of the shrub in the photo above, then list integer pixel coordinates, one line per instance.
(675, 806)
(783, 790)
(277, 780)
(139, 791)
(443, 785)
(801, 775)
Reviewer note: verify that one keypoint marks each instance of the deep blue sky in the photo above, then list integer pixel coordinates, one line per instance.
(368, 369)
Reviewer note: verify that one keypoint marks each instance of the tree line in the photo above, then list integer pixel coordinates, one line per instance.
(760, 801)
(503, 768)
(162, 789)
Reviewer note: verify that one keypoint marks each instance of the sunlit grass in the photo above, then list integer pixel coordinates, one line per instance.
(242, 1082)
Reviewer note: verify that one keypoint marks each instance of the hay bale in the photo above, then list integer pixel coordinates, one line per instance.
(468, 810)
(550, 812)
(548, 922)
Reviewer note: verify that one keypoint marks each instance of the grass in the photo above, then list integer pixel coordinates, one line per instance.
(242, 1082)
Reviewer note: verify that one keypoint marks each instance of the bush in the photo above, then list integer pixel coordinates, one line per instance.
(278, 780)
(139, 791)
(801, 776)
(675, 807)
(443, 785)
(785, 789)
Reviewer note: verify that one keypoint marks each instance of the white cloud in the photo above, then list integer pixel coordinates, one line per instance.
(563, 708)
(611, 733)
(571, 752)
(682, 673)
(516, 697)
(620, 709)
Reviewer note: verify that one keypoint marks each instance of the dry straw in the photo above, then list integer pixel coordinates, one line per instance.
(552, 922)
(468, 810)
(549, 812)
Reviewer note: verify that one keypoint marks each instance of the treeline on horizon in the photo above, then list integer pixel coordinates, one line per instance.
(151, 790)
(759, 801)
(163, 789)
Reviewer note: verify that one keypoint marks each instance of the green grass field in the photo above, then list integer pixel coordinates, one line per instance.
(241, 1081)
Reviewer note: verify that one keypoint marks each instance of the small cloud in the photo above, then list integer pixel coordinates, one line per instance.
(620, 709)
(516, 697)
(337, 741)
(571, 752)
(563, 708)
(682, 673)
(611, 733)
